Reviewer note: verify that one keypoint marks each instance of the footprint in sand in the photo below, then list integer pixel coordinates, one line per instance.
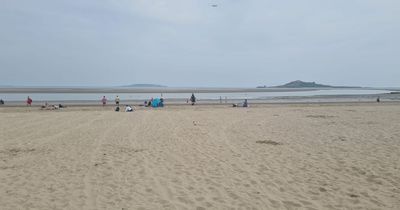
(291, 204)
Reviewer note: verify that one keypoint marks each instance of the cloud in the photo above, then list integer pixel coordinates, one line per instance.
(252, 40)
(167, 11)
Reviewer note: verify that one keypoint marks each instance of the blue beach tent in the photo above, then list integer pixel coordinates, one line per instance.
(155, 103)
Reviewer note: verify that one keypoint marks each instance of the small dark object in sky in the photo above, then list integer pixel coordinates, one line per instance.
(214, 5)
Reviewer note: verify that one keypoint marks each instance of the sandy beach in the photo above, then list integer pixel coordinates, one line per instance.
(292, 156)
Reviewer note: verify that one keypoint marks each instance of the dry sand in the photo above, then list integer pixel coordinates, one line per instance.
(342, 156)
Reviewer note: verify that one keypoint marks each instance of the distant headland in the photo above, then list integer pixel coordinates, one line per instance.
(302, 84)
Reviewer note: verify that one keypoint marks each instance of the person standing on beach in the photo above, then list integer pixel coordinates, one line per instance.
(117, 100)
(29, 101)
(150, 102)
(245, 104)
(104, 100)
(193, 99)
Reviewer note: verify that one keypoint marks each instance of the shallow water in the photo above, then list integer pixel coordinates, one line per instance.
(200, 96)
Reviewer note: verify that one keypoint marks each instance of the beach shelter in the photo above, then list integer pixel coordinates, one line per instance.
(155, 103)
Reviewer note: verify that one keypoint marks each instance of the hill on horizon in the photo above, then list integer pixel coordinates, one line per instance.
(302, 84)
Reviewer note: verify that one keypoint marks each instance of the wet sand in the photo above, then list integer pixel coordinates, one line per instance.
(299, 156)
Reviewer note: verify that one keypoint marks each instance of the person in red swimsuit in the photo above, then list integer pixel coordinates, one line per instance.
(28, 101)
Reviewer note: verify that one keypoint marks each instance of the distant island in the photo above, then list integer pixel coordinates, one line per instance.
(144, 85)
(302, 84)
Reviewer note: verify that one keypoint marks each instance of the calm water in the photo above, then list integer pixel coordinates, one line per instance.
(200, 96)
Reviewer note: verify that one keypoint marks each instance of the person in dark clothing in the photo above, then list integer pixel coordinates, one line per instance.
(245, 104)
(193, 99)
(1, 102)
(161, 104)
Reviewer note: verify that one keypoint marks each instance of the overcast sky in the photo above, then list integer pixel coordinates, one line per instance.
(184, 43)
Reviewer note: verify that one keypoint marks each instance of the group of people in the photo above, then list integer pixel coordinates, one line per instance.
(192, 100)
(104, 100)
(28, 101)
(244, 104)
(158, 102)
(47, 106)
(128, 108)
(153, 102)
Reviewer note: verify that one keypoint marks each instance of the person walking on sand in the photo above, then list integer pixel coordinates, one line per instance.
(104, 100)
(117, 100)
(193, 99)
(29, 101)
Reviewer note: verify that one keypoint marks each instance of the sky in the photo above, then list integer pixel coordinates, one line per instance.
(189, 43)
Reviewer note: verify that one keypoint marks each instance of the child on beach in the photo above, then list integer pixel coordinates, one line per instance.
(128, 108)
(117, 100)
(150, 102)
(104, 100)
(29, 101)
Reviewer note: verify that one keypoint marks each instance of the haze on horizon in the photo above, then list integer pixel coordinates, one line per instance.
(188, 43)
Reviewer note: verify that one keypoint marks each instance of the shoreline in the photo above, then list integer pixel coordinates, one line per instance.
(368, 98)
(184, 106)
